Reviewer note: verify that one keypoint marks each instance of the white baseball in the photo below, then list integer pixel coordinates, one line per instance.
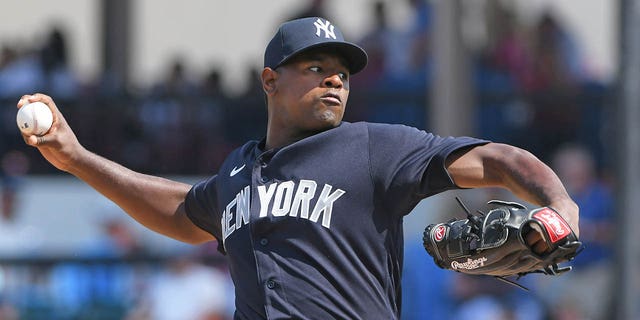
(34, 118)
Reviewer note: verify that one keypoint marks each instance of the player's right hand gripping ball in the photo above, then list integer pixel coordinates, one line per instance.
(34, 118)
(494, 243)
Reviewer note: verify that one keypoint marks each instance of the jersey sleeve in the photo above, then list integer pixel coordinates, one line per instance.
(408, 163)
(201, 206)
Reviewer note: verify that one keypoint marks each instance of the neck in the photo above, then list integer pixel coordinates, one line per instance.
(283, 137)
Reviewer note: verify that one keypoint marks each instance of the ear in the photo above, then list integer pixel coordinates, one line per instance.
(269, 77)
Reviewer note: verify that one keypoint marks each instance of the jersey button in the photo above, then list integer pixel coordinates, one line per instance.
(264, 241)
(271, 284)
(264, 179)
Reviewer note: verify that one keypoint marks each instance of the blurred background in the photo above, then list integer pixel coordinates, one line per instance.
(169, 88)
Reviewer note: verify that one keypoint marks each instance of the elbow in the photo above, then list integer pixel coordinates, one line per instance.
(193, 237)
(197, 236)
(197, 241)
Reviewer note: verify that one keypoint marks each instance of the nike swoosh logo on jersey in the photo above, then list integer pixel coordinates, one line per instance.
(235, 170)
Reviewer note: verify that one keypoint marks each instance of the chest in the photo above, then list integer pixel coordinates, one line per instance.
(307, 188)
(304, 190)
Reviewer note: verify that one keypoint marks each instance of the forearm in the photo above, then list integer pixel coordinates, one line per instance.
(499, 165)
(155, 202)
(530, 179)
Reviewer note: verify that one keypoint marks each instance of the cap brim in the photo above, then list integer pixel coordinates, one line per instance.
(356, 56)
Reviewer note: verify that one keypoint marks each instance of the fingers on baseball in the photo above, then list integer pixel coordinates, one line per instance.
(29, 98)
(23, 100)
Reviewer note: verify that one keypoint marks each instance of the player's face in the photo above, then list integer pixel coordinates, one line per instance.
(311, 91)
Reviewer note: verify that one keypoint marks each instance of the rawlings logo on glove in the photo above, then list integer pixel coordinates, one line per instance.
(494, 243)
(470, 264)
(556, 227)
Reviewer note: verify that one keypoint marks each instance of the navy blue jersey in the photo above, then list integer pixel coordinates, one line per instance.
(313, 230)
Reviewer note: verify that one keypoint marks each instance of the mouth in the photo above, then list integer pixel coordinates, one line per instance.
(331, 98)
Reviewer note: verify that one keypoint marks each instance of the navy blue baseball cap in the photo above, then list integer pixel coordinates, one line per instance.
(296, 36)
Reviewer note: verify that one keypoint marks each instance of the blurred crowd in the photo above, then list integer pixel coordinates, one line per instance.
(532, 88)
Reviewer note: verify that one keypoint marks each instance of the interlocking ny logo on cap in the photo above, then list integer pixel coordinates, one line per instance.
(325, 26)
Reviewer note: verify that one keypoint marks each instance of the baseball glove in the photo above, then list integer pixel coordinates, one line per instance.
(494, 243)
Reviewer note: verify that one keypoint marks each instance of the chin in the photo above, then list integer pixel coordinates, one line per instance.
(331, 119)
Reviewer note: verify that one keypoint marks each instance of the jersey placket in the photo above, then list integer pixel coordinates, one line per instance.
(267, 270)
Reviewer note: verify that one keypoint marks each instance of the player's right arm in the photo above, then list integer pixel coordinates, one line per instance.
(155, 202)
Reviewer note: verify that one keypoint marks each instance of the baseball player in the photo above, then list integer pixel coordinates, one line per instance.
(310, 216)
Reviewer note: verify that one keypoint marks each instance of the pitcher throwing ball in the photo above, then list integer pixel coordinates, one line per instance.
(310, 216)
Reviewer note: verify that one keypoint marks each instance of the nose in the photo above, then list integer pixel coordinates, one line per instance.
(333, 81)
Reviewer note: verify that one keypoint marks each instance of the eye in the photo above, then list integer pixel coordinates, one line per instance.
(343, 75)
(315, 69)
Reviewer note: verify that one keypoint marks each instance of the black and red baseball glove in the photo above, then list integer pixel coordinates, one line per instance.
(495, 244)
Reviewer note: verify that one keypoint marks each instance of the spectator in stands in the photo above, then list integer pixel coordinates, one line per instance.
(210, 294)
(553, 86)
(401, 66)
(18, 237)
(59, 78)
(500, 69)
(314, 8)
(208, 122)
(169, 105)
(377, 42)
(14, 165)
(20, 70)
(407, 49)
(557, 60)
(249, 110)
(507, 49)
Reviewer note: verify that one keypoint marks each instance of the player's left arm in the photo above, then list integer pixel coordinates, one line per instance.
(517, 170)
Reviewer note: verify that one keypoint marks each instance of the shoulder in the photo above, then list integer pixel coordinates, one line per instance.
(375, 128)
(248, 148)
(402, 135)
(398, 135)
(244, 152)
